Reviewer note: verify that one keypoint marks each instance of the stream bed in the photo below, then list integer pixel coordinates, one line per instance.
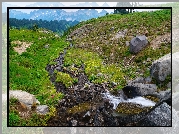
(89, 104)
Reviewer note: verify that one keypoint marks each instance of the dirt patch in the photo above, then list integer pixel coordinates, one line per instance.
(156, 43)
(22, 46)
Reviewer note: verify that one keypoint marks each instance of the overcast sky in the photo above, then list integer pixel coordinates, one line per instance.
(22, 4)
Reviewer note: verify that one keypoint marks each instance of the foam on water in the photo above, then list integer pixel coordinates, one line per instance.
(113, 99)
(143, 101)
(138, 100)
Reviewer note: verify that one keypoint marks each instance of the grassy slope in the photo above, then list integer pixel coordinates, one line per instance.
(27, 71)
(95, 36)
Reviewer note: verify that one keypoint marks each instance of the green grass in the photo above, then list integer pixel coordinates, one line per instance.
(65, 78)
(97, 37)
(27, 71)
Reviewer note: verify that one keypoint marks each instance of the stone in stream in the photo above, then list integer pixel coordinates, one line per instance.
(139, 89)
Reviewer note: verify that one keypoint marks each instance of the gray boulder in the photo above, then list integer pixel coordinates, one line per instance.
(139, 89)
(161, 68)
(160, 116)
(137, 44)
(23, 97)
(42, 109)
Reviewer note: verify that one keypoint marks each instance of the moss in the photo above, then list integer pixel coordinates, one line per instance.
(82, 107)
(152, 98)
(130, 108)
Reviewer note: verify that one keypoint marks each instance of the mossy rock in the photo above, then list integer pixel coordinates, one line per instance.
(131, 108)
(152, 98)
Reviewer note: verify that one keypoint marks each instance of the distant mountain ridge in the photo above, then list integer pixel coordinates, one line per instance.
(57, 14)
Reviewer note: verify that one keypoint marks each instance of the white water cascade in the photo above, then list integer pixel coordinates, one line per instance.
(137, 100)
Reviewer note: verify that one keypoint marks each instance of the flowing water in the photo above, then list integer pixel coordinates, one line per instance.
(137, 100)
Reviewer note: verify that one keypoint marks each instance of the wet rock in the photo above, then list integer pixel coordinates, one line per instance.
(139, 89)
(160, 116)
(42, 109)
(137, 44)
(161, 68)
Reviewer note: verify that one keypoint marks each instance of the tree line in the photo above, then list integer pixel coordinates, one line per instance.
(55, 26)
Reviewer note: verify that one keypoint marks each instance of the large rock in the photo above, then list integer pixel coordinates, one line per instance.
(160, 116)
(161, 68)
(137, 44)
(23, 97)
(139, 89)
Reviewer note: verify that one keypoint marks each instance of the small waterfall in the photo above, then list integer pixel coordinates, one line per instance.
(113, 99)
(137, 100)
(143, 101)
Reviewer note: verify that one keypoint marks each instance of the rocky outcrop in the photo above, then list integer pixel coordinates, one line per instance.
(137, 44)
(161, 68)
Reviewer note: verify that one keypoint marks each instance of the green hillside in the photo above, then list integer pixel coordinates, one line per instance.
(96, 36)
(97, 46)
